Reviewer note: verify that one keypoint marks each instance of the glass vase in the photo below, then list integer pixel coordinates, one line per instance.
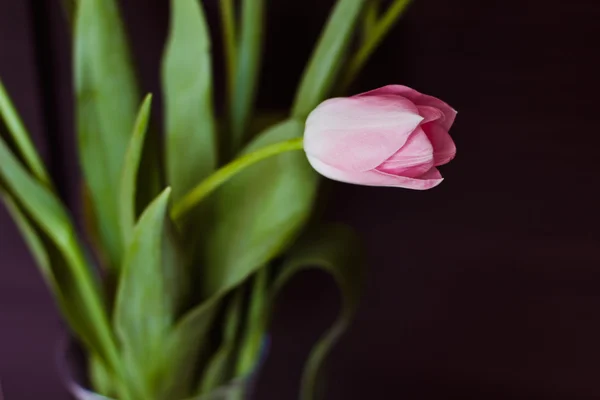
(72, 364)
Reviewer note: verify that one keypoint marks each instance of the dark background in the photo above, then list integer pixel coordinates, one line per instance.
(487, 287)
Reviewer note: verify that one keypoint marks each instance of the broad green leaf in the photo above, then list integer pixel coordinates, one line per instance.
(187, 348)
(258, 212)
(326, 60)
(265, 119)
(102, 381)
(336, 250)
(208, 186)
(128, 186)
(247, 69)
(53, 241)
(220, 367)
(187, 81)
(106, 105)
(151, 293)
(150, 181)
(256, 325)
(20, 137)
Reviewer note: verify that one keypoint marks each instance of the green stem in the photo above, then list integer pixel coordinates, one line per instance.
(376, 35)
(229, 43)
(219, 177)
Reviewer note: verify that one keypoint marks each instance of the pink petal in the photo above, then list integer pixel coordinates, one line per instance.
(358, 134)
(432, 174)
(418, 98)
(414, 171)
(428, 180)
(413, 159)
(430, 114)
(444, 148)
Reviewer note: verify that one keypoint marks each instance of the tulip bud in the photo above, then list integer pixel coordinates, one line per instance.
(391, 136)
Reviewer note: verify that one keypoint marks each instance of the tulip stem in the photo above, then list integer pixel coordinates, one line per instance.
(375, 35)
(222, 175)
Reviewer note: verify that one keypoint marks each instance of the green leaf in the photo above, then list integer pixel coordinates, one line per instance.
(256, 325)
(336, 250)
(52, 238)
(264, 119)
(20, 137)
(101, 380)
(56, 274)
(228, 31)
(33, 241)
(370, 16)
(128, 186)
(187, 348)
(107, 101)
(247, 69)
(219, 369)
(372, 39)
(151, 293)
(240, 164)
(257, 212)
(53, 269)
(187, 80)
(36, 198)
(150, 180)
(326, 60)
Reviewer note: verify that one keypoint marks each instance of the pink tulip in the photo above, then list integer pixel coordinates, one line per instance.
(391, 136)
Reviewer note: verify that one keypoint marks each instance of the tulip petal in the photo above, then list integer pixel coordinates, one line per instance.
(430, 114)
(413, 159)
(413, 171)
(418, 98)
(428, 180)
(444, 148)
(432, 174)
(358, 134)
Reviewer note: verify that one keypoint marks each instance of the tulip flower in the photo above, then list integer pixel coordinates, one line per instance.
(391, 136)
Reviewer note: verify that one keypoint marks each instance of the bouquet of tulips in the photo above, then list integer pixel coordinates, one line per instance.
(195, 231)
